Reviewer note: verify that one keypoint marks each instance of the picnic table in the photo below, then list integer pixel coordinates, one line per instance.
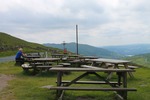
(113, 63)
(43, 63)
(88, 57)
(45, 60)
(57, 55)
(120, 85)
(30, 56)
(73, 57)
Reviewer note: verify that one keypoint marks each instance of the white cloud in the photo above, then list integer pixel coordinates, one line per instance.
(101, 22)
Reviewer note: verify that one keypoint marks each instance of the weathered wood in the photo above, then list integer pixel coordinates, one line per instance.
(113, 61)
(90, 82)
(65, 64)
(87, 66)
(132, 67)
(59, 79)
(90, 70)
(44, 67)
(93, 89)
(26, 67)
(36, 64)
(41, 68)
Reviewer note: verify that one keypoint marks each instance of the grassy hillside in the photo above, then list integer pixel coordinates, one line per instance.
(141, 60)
(9, 45)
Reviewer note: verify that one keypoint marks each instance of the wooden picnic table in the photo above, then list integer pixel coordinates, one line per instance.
(73, 57)
(32, 56)
(45, 63)
(88, 57)
(114, 63)
(57, 55)
(120, 86)
(46, 60)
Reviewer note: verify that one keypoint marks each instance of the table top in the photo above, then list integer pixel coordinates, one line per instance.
(89, 69)
(57, 54)
(46, 59)
(88, 57)
(115, 61)
(31, 56)
(74, 56)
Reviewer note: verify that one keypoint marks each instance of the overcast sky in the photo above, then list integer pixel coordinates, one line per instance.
(100, 22)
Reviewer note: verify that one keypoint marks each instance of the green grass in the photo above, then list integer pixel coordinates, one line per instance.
(26, 86)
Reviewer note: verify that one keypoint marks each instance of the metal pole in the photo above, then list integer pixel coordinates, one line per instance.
(65, 51)
(77, 38)
(64, 44)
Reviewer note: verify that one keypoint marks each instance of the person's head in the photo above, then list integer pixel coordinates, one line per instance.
(20, 49)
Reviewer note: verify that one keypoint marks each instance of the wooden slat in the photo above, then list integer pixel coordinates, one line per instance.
(26, 66)
(90, 82)
(91, 69)
(44, 66)
(87, 66)
(132, 67)
(93, 89)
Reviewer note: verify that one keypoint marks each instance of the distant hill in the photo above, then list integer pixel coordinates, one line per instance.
(86, 50)
(9, 45)
(141, 60)
(134, 49)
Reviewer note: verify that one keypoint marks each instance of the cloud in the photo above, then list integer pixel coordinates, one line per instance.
(101, 22)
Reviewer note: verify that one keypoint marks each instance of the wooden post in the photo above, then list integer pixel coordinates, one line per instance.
(124, 94)
(59, 81)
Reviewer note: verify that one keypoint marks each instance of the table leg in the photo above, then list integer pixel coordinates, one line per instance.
(110, 74)
(59, 83)
(119, 78)
(130, 73)
(124, 84)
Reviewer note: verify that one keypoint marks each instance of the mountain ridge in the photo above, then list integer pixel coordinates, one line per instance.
(132, 49)
(85, 49)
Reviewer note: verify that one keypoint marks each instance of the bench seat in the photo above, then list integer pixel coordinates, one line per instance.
(65, 64)
(91, 82)
(26, 67)
(132, 67)
(87, 66)
(93, 89)
(43, 67)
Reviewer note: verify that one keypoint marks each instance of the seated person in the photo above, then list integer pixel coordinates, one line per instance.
(20, 56)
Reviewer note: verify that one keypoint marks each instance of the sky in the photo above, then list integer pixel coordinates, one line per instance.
(100, 22)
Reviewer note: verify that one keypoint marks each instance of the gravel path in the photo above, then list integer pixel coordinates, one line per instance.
(4, 80)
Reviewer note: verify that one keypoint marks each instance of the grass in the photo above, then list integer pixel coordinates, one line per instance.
(26, 86)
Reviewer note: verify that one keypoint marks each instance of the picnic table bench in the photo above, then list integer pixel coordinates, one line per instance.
(120, 85)
(26, 67)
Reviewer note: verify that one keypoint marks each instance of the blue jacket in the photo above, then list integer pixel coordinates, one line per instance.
(19, 54)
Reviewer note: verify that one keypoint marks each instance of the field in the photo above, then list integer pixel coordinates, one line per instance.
(25, 86)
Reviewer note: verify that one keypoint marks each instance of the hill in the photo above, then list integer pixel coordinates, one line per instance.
(134, 49)
(9, 45)
(86, 50)
(141, 60)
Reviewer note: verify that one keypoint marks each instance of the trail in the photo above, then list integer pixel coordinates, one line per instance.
(4, 80)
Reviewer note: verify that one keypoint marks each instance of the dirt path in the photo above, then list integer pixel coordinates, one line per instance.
(4, 80)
